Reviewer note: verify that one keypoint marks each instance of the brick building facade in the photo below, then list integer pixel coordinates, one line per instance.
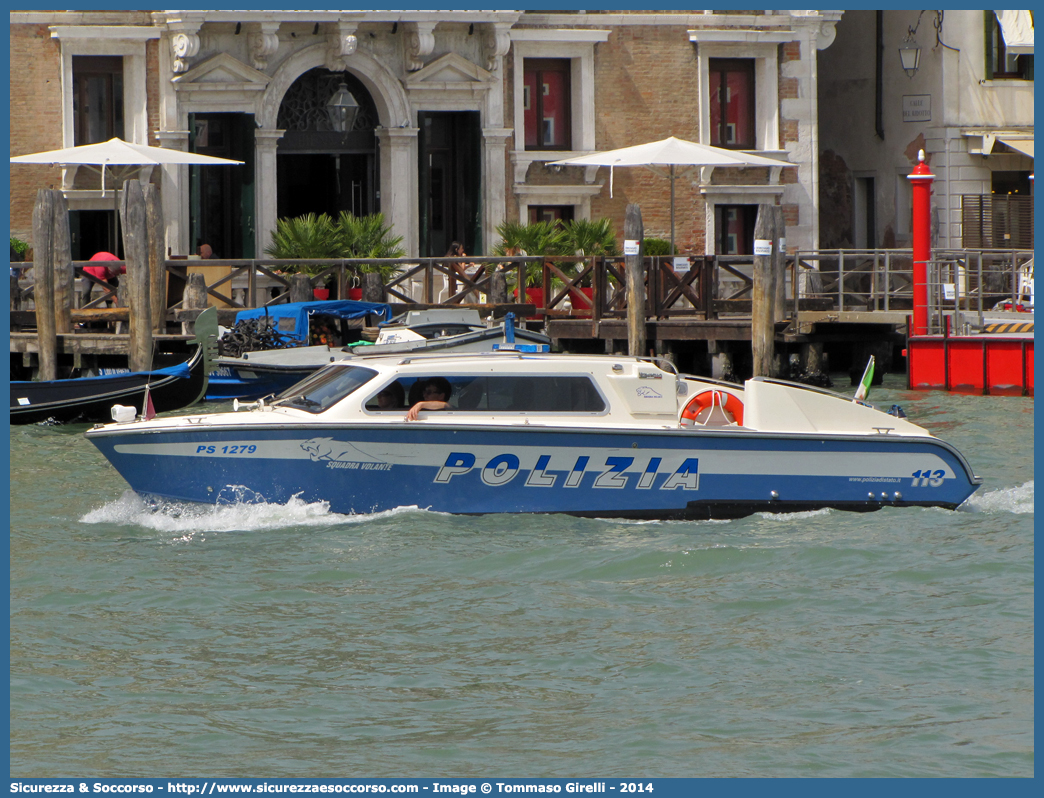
(459, 114)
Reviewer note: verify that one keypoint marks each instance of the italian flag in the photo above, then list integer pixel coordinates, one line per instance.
(864, 384)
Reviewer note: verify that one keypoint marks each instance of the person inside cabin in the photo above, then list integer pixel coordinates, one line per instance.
(435, 395)
(391, 397)
(109, 274)
(206, 252)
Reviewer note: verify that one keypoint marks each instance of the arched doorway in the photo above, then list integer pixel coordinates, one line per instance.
(320, 169)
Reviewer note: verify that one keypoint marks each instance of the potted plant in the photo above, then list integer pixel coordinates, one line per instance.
(539, 238)
(309, 237)
(18, 249)
(368, 237)
(583, 238)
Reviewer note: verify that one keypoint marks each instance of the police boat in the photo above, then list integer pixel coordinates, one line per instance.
(517, 432)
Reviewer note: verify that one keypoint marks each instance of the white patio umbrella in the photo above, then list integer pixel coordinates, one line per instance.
(669, 157)
(117, 152)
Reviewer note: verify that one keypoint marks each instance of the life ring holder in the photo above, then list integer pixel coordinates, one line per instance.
(726, 401)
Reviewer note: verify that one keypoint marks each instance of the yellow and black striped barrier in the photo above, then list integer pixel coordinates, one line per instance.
(1008, 328)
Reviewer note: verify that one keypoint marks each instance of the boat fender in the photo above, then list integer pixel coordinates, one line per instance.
(709, 399)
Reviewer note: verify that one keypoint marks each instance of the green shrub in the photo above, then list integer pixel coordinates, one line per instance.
(656, 247)
(18, 249)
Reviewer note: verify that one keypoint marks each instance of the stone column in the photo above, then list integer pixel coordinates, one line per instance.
(399, 189)
(265, 190)
(174, 195)
(494, 170)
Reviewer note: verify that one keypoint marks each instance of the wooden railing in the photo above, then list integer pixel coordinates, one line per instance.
(585, 287)
(588, 287)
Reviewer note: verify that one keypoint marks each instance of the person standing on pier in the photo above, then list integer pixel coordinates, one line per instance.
(108, 274)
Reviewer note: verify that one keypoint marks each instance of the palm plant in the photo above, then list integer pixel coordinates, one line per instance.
(368, 237)
(310, 236)
(584, 237)
(539, 238)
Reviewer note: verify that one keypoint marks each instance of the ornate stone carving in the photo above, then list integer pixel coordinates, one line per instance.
(496, 42)
(420, 43)
(342, 45)
(264, 42)
(183, 46)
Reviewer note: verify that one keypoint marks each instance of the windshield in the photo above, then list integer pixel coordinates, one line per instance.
(325, 388)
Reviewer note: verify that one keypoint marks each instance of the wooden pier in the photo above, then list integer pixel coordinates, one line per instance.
(843, 305)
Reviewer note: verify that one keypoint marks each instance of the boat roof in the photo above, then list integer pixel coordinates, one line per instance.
(292, 317)
(503, 357)
(412, 318)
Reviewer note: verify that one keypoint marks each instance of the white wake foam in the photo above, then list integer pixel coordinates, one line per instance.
(189, 517)
(1018, 500)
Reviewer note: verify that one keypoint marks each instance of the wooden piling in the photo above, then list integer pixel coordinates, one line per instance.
(43, 283)
(498, 289)
(137, 279)
(194, 298)
(633, 236)
(372, 287)
(300, 289)
(763, 296)
(779, 263)
(61, 266)
(157, 257)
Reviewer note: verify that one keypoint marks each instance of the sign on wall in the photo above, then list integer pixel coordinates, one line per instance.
(917, 108)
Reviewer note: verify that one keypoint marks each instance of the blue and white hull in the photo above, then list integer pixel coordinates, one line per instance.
(679, 473)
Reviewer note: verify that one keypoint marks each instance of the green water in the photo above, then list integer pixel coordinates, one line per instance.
(287, 641)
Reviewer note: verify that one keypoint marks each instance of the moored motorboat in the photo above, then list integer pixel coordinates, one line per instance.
(91, 399)
(585, 435)
(256, 374)
(455, 330)
(239, 374)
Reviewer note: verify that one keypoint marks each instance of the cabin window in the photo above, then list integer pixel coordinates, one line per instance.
(513, 394)
(325, 388)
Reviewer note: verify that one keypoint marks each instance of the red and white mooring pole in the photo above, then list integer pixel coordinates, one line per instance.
(921, 180)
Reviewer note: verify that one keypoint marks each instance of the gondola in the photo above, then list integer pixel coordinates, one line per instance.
(90, 399)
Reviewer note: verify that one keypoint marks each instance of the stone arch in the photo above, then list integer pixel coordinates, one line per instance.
(385, 89)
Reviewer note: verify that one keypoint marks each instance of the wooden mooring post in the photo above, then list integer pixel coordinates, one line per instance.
(763, 296)
(61, 266)
(133, 217)
(43, 283)
(372, 287)
(157, 257)
(779, 262)
(633, 235)
(300, 288)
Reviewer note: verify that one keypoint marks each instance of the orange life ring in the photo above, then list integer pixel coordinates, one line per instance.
(723, 399)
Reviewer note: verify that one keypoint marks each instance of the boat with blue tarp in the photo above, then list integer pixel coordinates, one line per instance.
(252, 375)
